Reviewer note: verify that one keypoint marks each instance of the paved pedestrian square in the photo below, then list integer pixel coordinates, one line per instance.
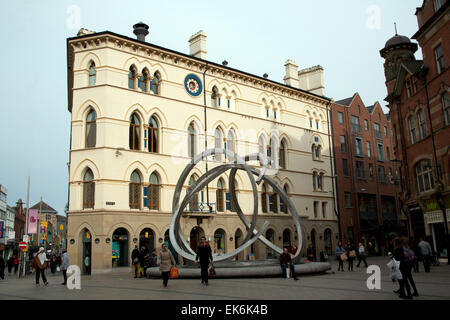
(334, 286)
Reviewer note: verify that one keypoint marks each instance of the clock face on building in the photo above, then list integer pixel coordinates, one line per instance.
(193, 85)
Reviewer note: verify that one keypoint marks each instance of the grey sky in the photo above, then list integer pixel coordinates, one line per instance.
(253, 36)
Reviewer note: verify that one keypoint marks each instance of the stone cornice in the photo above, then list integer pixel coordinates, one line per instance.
(108, 39)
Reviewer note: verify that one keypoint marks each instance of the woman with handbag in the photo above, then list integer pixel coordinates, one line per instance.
(165, 259)
(340, 251)
(351, 254)
(39, 263)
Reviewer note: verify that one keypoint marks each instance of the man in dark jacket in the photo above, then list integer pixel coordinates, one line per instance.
(135, 259)
(2, 266)
(286, 262)
(204, 254)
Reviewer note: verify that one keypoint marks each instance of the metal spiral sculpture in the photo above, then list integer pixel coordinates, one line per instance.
(177, 239)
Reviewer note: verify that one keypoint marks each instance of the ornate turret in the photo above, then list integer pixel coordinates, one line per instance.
(398, 49)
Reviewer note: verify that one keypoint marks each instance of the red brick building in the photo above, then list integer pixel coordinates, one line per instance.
(420, 113)
(366, 191)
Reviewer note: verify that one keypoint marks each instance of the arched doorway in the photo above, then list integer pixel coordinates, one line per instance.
(270, 235)
(169, 245)
(120, 248)
(286, 238)
(147, 240)
(87, 251)
(313, 242)
(237, 243)
(219, 241)
(327, 236)
(194, 237)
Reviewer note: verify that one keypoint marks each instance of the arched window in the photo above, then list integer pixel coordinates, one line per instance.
(153, 135)
(153, 192)
(132, 77)
(264, 198)
(143, 81)
(230, 145)
(412, 130)
(91, 129)
(92, 74)
(156, 83)
(135, 130)
(193, 203)
(219, 195)
(88, 190)
(282, 155)
(215, 97)
(283, 206)
(424, 174)
(261, 145)
(421, 123)
(314, 180)
(135, 190)
(273, 202)
(192, 138)
(269, 150)
(220, 241)
(320, 181)
(218, 140)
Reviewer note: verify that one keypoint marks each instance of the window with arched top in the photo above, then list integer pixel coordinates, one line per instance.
(264, 198)
(193, 202)
(92, 74)
(424, 173)
(153, 192)
(261, 145)
(192, 138)
(156, 83)
(412, 130)
(218, 142)
(88, 190)
(143, 81)
(135, 190)
(320, 181)
(153, 135)
(421, 124)
(231, 143)
(228, 200)
(91, 129)
(135, 130)
(215, 97)
(219, 196)
(282, 155)
(132, 77)
(314, 180)
(283, 206)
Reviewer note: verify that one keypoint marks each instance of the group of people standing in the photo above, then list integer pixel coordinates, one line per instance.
(41, 262)
(12, 262)
(166, 261)
(349, 253)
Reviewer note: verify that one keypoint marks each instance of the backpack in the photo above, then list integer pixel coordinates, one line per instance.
(409, 255)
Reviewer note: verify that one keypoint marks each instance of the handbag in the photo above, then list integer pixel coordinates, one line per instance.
(344, 257)
(173, 273)
(135, 260)
(212, 272)
(352, 254)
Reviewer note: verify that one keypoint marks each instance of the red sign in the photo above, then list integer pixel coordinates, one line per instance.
(23, 245)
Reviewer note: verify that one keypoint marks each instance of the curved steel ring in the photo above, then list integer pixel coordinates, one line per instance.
(177, 238)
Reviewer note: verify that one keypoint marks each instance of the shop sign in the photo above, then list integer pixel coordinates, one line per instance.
(431, 206)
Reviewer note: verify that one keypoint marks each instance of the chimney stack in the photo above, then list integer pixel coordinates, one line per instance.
(291, 78)
(197, 45)
(140, 30)
(311, 79)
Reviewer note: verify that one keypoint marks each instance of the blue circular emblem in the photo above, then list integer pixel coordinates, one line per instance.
(193, 85)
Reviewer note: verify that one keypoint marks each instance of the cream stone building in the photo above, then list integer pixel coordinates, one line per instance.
(138, 114)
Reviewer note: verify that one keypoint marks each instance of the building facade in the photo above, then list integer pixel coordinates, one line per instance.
(139, 112)
(7, 224)
(418, 96)
(366, 188)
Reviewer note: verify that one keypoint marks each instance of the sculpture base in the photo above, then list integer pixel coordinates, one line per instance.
(246, 269)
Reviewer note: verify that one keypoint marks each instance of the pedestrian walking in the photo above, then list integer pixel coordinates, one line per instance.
(2, 266)
(361, 255)
(426, 253)
(204, 256)
(39, 263)
(53, 264)
(167, 261)
(65, 265)
(339, 252)
(135, 259)
(351, 254)
(142, 255)
(286, 262)
(409, 261)
(405, 269)
(16, 264)
(10, 264)
(310, 253)
(416, 249)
